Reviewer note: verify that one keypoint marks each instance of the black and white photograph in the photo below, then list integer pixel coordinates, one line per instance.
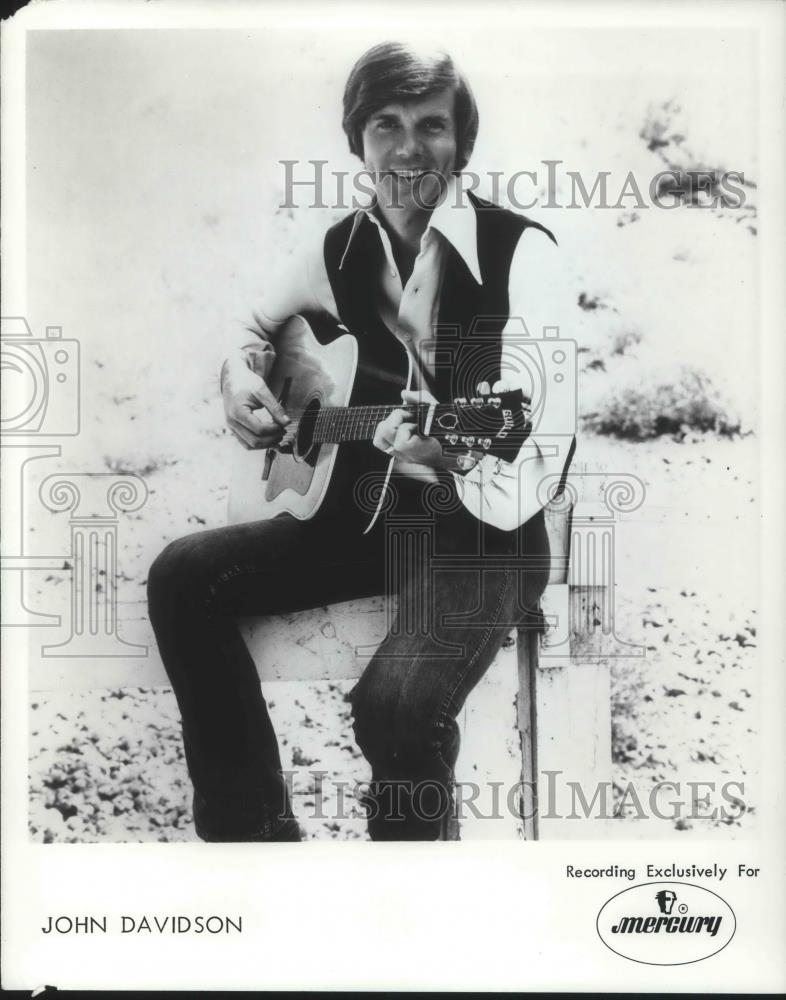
(391, 440)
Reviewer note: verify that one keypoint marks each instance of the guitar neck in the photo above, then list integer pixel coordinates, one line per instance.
(336, 424)
(498, 424)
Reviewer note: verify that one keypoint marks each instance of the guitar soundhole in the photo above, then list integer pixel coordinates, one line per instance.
(304, 443)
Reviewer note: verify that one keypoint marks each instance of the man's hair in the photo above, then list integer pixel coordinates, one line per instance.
(392, 73)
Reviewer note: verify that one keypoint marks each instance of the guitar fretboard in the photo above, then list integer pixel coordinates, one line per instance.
(335, 424)
(497, 424)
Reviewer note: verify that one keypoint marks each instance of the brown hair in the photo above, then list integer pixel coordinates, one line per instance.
(394, 72)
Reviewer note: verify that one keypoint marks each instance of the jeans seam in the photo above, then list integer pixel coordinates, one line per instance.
(443, 714)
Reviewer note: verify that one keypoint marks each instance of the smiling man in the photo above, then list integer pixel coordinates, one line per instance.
(410, 152)
(441, 281)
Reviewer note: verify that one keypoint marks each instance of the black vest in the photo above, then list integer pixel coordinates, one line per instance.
(471, 317)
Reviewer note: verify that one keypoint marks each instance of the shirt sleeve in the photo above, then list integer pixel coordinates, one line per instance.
(300, 284)
(538, 356)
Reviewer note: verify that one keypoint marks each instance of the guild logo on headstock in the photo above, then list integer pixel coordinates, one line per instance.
(507, 424)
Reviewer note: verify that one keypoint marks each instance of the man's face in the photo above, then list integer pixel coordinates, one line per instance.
(410, 149)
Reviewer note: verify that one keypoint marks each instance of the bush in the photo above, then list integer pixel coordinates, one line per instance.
(668, 403)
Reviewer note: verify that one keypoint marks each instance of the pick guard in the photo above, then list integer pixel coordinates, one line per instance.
(324, 363)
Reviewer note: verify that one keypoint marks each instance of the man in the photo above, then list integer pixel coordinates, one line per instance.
(420, 258)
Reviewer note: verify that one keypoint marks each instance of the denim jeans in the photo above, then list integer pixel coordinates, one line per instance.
(456, 606)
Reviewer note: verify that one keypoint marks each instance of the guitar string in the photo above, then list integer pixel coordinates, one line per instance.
(337, 424)
(359, 423)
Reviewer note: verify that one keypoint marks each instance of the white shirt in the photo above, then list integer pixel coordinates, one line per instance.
(500, 493)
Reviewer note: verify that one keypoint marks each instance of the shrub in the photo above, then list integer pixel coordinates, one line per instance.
(668, 403)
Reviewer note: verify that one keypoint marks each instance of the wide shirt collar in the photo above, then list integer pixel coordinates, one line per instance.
(454, 219)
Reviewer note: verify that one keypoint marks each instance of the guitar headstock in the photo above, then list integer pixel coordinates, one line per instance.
(494, 423)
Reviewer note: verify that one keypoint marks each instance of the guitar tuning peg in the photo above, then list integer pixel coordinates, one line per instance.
(460, 401)
(485, 443)
(452, 439)
(495, 401)
(476, 401)
(466, 462)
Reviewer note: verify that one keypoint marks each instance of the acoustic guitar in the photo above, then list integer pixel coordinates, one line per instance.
(327, 380)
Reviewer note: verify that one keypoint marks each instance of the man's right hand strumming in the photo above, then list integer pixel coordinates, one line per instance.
(253, 413)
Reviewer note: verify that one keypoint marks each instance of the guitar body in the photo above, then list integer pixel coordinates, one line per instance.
(318, 365)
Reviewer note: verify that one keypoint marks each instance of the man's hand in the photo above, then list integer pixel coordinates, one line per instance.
(398, 436)
(253, 414)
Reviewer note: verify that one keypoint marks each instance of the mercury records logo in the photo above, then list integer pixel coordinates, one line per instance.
(666, 923)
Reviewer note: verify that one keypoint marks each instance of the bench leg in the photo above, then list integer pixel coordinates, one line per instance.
(528, 646)
(564, 720)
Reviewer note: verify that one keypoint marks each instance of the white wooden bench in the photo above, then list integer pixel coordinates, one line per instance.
(549, 693)
(552, 690)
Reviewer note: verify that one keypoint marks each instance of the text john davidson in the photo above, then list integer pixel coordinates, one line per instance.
(144, 924)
